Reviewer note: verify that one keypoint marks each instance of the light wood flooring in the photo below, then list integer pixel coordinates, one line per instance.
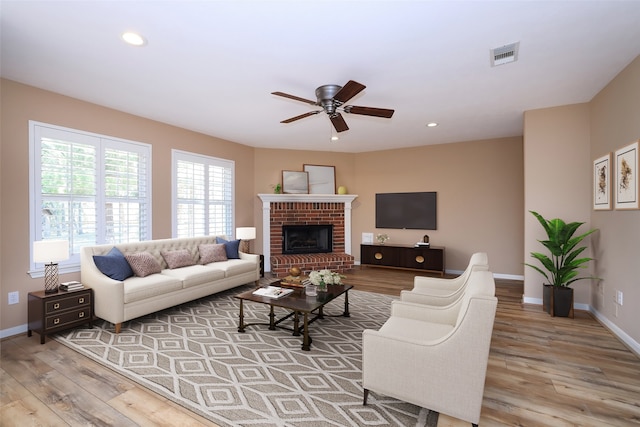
(542, 371)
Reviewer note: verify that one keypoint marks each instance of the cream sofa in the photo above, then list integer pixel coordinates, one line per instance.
(118, 301)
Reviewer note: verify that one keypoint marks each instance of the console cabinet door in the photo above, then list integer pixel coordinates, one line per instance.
(422, 259)
(379, 255)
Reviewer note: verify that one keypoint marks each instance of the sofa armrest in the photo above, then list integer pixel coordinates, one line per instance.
(250, 257)
(108, 294)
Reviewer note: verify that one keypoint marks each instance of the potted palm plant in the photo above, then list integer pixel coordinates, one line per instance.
(560, 266)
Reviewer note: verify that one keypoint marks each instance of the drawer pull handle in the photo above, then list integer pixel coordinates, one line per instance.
(419, 259)
(378, 255)
(81, 314)
(56, 321)
(56, 306)
(81, 300)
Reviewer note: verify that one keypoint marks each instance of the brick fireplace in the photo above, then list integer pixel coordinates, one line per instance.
(306, 209)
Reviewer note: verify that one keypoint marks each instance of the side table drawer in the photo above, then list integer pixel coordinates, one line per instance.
(67, 318)
(72, 301)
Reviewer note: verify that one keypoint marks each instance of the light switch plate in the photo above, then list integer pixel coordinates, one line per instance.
(14, 297)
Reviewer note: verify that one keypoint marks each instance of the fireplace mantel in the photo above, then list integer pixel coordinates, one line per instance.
(267, 199)
(336, 198)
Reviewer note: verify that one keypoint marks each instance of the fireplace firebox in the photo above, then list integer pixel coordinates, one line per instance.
(307, 239)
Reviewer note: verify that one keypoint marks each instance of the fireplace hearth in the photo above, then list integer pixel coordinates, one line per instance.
(307, 239)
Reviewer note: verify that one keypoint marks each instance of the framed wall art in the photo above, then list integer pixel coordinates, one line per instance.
(322, 179)
(626, 173)
(602, 183)
(295, 182)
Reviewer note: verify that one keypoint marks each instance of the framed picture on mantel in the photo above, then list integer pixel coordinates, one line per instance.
(322, 179)
(294, 182)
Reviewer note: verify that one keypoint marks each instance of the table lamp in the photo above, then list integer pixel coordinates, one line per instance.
(50, 252)
(245, 234)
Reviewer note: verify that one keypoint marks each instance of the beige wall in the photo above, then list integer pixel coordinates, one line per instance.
(557, 182)
(480, 198)
(615, 122)
(22, 103)
(560, 145)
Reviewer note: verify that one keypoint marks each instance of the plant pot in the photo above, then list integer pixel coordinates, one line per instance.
(558, 300)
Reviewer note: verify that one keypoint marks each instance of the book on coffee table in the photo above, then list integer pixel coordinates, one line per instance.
(272, 292)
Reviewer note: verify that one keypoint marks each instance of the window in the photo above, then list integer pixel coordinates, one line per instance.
(202, 195)
(88, 189)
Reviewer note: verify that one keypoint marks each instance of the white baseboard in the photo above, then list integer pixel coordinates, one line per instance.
(622, 335)
(16, 330)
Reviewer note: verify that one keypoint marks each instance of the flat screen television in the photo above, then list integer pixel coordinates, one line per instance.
(416, 211)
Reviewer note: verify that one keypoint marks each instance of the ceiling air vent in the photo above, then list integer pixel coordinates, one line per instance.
(505, 54)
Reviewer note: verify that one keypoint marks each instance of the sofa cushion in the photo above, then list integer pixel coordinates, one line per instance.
(194, 275)
(113, 264)
(231, 246)
(212, 252)
(178, 258)
(143, 288)
(143, 264)
(233, 267)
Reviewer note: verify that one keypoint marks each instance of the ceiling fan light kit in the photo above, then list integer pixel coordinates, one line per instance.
(332, 98)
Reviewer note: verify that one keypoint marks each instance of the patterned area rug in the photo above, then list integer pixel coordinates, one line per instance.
(194, 355)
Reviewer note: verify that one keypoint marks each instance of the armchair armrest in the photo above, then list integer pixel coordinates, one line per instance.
(431, 298)
(425, 313)
(424, 282)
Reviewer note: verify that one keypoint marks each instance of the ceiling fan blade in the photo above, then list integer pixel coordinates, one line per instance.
(369, 111)
(295, 98)
(339, 123)
(301, 116)
(348, 91)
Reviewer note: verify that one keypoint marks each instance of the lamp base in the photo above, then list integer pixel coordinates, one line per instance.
(245, 246)
(50, 278)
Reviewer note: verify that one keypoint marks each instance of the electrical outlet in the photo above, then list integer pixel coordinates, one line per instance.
(619, 297)
(14, 297)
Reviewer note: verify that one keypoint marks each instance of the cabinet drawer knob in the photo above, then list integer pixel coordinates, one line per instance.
(56, 306)
(378, 255)
(81, 314)
(419, 259)
(81, 300)
(56, 321)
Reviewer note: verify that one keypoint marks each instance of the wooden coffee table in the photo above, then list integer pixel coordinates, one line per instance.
(298, 303)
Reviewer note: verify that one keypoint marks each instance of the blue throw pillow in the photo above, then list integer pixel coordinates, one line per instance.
(231, 247)
(113, 265)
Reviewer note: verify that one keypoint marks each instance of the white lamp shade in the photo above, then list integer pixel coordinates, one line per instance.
(246, 233)
(50, 251)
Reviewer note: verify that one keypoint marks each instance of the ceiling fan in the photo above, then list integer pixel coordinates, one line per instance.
(332, 99)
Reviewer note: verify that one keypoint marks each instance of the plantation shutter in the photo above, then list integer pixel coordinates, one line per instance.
(203, 195)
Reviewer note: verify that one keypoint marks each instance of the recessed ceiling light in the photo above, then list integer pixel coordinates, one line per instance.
(133, 39)
(334, 137)
(432, 124)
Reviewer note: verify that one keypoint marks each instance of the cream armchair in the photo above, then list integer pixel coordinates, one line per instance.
(434, 357)
(440, 292)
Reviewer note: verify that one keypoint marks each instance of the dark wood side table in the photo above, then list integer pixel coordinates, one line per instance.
(50, 313)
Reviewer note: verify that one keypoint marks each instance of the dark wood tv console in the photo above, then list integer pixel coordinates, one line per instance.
(430, 259)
